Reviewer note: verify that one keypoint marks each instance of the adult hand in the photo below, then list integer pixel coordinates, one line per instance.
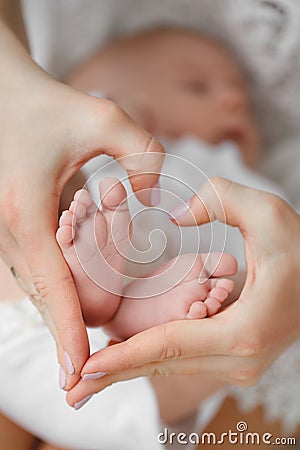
(48, 130)
(239, 343)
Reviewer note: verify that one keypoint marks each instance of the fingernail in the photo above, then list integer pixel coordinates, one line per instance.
(82, 402)
(69, 364)
(155, 195)
(180, 210)
(62, 378)
(93, 376)
(98, 94)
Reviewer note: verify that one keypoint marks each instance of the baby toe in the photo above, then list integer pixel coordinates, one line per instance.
(112, 193)
(213, 306)
(228, 285)
(66, 218)
(219, 294)
(84, 197)
(64, 236)
(78, 209)
(198, 310)
(83, 205)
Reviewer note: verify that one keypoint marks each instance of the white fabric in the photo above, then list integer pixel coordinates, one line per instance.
(126, 413)
(265, 37)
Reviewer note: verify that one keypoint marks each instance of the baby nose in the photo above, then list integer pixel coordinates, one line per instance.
(233, 99)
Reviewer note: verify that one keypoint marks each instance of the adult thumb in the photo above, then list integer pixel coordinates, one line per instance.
(230, 203)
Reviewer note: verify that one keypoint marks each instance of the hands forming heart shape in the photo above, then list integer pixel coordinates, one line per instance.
(236, 345)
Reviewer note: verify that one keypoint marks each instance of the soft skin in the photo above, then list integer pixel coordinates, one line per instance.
(48, 130)
(238, 344)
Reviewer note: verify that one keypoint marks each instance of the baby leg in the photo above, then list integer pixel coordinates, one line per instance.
(94, 244)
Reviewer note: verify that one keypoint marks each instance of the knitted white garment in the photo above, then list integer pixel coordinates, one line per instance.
(265, 36)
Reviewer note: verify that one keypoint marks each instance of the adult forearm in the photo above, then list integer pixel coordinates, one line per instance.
(11, 15)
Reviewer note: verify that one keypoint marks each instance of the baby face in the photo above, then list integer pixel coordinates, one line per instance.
(175, 83)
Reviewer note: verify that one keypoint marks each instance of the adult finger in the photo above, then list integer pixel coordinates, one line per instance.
(223, 368)
(89, 386)
(169, 341)
(253, 211)
(234, 369)
(53, 291)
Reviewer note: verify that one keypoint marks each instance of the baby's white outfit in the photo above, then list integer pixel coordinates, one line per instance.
(62, 34)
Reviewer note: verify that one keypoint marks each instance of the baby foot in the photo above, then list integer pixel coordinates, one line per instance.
(94, 244)
(178, 294)
(218, 291)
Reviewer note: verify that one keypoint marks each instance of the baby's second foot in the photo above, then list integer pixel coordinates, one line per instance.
(187, 299)
(94, 244)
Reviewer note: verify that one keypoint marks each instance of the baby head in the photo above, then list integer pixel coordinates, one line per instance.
(175, 83)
